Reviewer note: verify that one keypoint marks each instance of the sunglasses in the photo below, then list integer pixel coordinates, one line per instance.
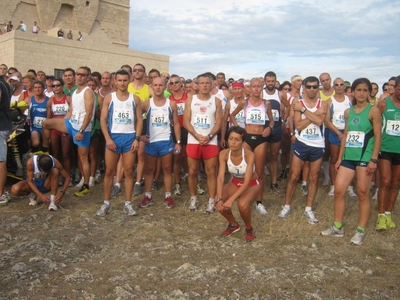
(81, 74)
(385, 90)
(174, 82)
(56, 85)
(339, 84)
(287, 89)
(309, 87)
(138, 70)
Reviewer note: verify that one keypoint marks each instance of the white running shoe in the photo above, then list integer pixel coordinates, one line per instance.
(178, 190)
(200, 191)
(97, 176)
(129, 210)
(358, 238)
(210, 207)
(284, 212)
(332, 191)
(32, 199)
(80, 184)
(261, 209)
(193, 205)
(375, 197)
(91, 182)
(52, 206)
(350, 191)
(310, 215)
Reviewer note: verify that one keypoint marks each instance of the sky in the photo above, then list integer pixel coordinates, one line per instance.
(245, 39)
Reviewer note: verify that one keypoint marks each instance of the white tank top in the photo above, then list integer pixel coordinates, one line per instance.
(203, 118)
(121, 115)
(255, 115)
(275, 101)
(337, 112)
(159, 121)
(239, 170)
(239, 116)
(79, 111)
(312, 135)
(220, 95)
(39, 175)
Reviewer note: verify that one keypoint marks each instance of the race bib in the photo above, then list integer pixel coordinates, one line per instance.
(38, 121)
(123, 116)
(240, 116)
(255, 117)
(311, 132)
(159, 120)
(202, 121)
(181, 108)
(60, 109)
(338, 120)
(393, 127)
(355, 139)
(74, 118)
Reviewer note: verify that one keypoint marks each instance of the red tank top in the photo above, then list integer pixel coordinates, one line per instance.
(59, 108)
(180, 103)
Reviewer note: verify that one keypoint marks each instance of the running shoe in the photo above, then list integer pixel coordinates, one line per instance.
(4, 198)
(91, 182)
(200, 191)
(154, 185)
(210, 207)
(358, 238)
(194, 204)
(389, 222)
(177, 190)
(103, 210)
(169, 203)
(275, 188)
(304, 189)
(333, 231)
(184, 176)
(284, 212)
(381, 223)
(80, 184)
(82, 192)
(97, 176)
(350, 191)
(115, 191)
(375, 197)
(52, 206)
(310, 215)
(261, 209)
(250, 235)
(146, 202)
(332, 191)
(326, 182)
(137, 189)
(129, 210)
(231, 229)
(32, 199)
(282, 176)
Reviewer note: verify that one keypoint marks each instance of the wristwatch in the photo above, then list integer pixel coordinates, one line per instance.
(81, 131)
(178, 142)
(210, 136)
(374, 160)
(303, 109)
(292, 134)
(138, 138)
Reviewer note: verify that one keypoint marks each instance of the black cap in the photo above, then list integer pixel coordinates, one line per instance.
(50, 77)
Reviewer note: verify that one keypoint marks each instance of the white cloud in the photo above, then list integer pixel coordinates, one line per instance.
(248, 38)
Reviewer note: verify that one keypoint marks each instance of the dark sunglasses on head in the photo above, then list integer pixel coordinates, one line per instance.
(309, 87)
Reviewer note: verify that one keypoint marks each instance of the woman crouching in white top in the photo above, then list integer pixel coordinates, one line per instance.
(243, 186)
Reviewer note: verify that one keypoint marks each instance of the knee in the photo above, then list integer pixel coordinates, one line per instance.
(15, 190)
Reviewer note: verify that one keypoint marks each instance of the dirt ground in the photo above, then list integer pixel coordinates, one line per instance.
(178, 254)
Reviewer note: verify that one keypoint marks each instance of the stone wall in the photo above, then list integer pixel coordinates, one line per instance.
(25, 51)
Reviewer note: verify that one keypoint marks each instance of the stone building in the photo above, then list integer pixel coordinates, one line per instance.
(103, 23)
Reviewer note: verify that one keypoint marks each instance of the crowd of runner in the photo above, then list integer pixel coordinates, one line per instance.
(143, 124)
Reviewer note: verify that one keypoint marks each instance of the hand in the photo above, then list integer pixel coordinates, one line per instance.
(219, 206)
(293, 139)
(59, 197)
(145, 139)
(44, 198)
(296, 106)
(79, 137)
(111, 145)
(337, 165)
(135, 145)
(266, 132)
(178, 147)
(227, 205)
(202, 139)
(371, 168)
(223, 143)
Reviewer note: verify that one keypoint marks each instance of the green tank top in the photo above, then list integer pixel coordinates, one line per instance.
(391, 128)
(360, 136)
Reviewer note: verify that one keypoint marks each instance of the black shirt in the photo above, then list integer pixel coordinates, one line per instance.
(5, 121)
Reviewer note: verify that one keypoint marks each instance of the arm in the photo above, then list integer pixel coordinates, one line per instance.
(218, 120)
(225, 119)
(236, 111)
(103, 124)
(177, 127)
(138, 123)
(375, 117)
(317, 117)
(187, 114)
(343, 141)
(267, 131)
(284, 99)
(48, 107)
(67, 177)
(89, 104)
(223, 157)
(69, 113)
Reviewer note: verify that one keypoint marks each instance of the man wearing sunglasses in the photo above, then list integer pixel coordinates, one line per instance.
(390, 88)
(308, 113)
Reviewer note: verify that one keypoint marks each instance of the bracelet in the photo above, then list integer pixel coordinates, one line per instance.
(138, 138)
(63, 192)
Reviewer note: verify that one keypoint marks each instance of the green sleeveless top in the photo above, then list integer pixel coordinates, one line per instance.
(360, 136)
(391, 128)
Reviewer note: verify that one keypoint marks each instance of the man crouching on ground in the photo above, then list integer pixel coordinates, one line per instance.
(42, 172)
